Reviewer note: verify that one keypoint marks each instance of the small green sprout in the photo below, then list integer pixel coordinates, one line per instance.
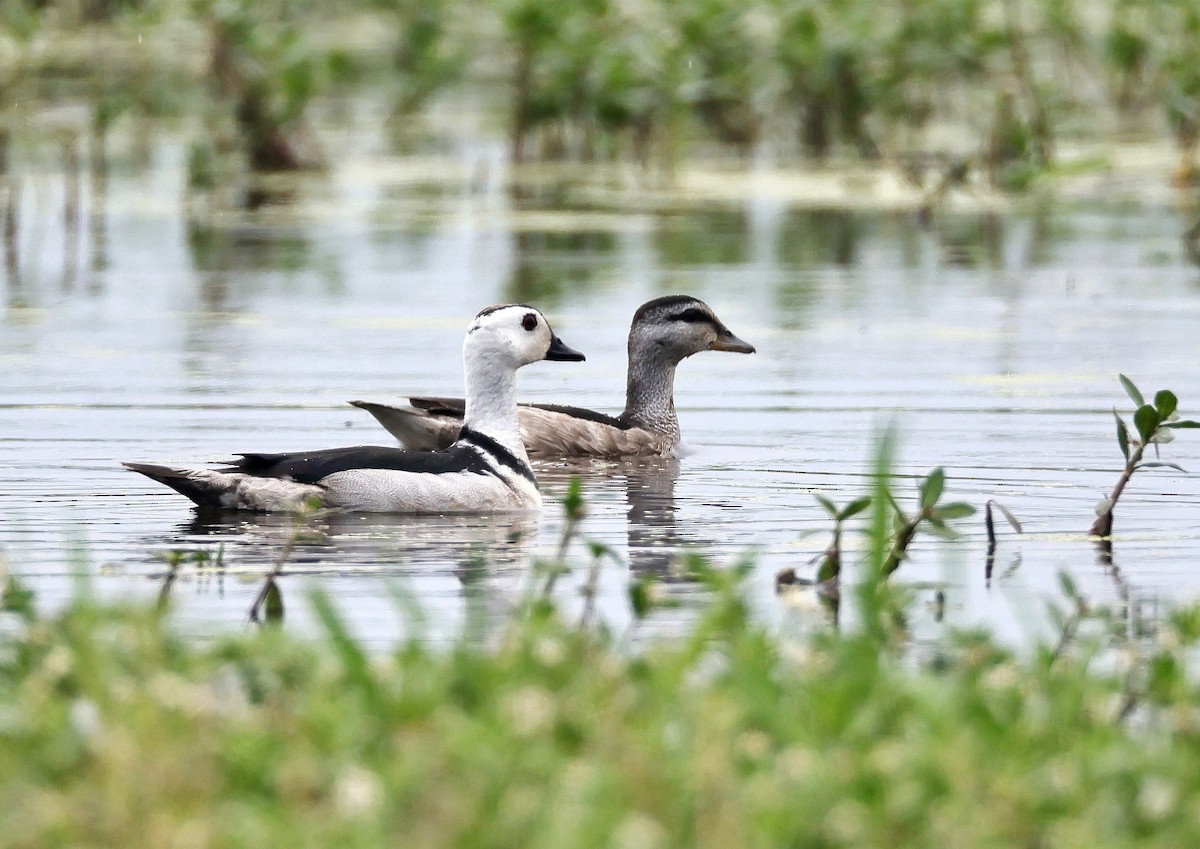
(1154, 424)
(831, 561)
(930, 512)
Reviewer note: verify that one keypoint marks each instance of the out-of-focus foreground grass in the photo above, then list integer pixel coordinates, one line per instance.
(117, 731)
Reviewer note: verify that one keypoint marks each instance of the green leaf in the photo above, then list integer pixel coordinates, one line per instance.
(744, 567)
(854, 508)
(931, 488)
(1165, 402)
(274, 605)
(1184, 423)
(573, 500)
(1067, 584)
(1057, 618)
(1122, 436)
(954, 510)
(640, 597)
(878, 532)
(829, 506)
(1132, 391)
(1156, 464)
(1146, 421)
(355, 663)
(831, 567)
(17, 598)
(598, 549)
(941, 529)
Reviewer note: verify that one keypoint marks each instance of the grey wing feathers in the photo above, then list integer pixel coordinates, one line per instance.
(417, 429)
(453, 407)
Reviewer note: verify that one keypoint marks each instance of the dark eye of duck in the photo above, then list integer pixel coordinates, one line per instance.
(529, 322)
(692, 314)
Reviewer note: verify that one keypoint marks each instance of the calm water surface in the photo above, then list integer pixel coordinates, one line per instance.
(992, 341)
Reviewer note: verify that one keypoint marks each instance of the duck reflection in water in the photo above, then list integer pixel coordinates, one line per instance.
(654, 543)
(334, 542)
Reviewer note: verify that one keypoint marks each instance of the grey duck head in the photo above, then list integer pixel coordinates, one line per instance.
(676, 326)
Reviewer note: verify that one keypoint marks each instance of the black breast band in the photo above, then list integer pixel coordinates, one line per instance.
(503, 455)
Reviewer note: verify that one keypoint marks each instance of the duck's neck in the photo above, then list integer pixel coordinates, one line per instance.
(650, 393)
(492, 402)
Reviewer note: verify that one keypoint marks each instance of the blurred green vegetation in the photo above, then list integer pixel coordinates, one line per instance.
(117, 731)
(1000, 82)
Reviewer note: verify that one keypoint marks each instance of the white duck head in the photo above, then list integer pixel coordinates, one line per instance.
(500, 340)
(514, 335)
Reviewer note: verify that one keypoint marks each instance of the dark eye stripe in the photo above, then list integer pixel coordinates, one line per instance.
(692, 314)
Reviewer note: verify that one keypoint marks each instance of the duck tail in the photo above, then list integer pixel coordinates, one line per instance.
(203, 487)
(416, 429)
(228, 490)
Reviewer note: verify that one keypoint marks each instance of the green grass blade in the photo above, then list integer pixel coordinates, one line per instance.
(879, 531)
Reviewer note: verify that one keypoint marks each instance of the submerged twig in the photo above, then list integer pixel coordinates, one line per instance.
(174, 560)
(991, 533)
(270, 596)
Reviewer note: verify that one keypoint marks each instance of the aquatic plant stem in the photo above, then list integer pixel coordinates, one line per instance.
(591, 589)
(1102, 527)
(276, 571)
(903, 538)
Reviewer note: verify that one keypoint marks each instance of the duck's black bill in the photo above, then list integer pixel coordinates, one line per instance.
(559, 351)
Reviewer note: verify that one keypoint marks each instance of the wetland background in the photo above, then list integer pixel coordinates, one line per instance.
(222, 220)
